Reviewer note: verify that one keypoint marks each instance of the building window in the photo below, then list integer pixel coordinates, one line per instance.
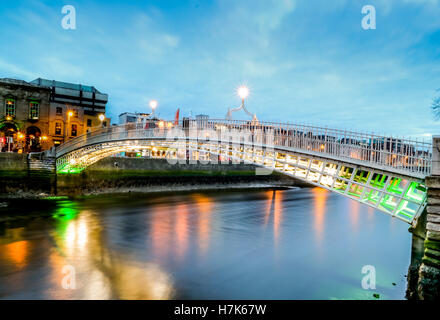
(74, 130)
(59, 111)
(89, 122)
(34, 110)
(104, 124)
(57, 128)
(10, 107)
(75, 113)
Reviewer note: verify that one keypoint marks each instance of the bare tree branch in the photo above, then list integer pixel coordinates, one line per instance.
(435, 106)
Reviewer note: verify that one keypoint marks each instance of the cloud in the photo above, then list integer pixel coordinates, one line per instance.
(11, 70)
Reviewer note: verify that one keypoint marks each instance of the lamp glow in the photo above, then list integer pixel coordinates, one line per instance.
(153, 104)
(101, 117)
(243, 92)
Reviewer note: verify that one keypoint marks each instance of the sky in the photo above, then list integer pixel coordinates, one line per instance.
(305, 61)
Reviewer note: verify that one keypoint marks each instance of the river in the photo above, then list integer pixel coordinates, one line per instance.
(242, 244)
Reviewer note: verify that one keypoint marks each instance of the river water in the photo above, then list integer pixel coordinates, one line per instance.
(247, 244)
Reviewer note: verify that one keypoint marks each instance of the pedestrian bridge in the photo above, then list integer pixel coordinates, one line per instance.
(383, 172)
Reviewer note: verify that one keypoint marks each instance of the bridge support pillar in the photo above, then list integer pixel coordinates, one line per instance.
(429, 272)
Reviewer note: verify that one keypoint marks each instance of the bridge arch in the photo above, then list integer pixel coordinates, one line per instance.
(384, 173)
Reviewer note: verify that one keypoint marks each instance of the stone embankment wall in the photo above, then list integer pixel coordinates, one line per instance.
(429, 272)
(24, 177)
(145, 175)
(428, 282)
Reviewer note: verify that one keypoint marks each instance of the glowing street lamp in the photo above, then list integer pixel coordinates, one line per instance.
(101, 118)
(153, 105)
(243, 93)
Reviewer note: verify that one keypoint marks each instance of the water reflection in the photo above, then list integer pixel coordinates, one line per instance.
(16, 252)
(205, 207)
(354, 214)
(101, 273)
(320, 199)
(181, 229)
(274, 209)
(230, 245)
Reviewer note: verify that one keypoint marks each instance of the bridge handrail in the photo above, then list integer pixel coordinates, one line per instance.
(409, 155)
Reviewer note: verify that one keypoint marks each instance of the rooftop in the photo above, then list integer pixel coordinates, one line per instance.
(65, 85)
(18, 82)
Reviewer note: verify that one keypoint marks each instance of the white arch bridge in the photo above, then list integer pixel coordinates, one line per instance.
(383, 172)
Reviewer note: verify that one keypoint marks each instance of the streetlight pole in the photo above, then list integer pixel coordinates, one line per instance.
(66, 132)
(101, 118)
(243, 93)
(153, 106)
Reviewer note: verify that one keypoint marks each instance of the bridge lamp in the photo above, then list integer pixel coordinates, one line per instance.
(101, 117)
(243, 92)
(153, 105)
(70, 113)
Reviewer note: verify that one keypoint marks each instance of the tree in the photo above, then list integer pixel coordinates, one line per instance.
(436, 106)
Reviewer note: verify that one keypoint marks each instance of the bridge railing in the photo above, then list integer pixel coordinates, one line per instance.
(406, 155)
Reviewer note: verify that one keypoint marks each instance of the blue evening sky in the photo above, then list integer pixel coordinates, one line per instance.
(305, 61)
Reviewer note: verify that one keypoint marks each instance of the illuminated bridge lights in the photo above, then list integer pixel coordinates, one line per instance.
(368, 172)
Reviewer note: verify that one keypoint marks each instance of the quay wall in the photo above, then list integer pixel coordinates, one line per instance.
(22, 176)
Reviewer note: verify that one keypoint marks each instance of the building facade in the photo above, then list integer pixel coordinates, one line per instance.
(24, 116)
(37, 115)
(74, 109)
(130, 117)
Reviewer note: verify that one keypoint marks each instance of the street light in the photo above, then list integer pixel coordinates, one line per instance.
(153, 105)
(243, 92)
(66, 127)
(101, 118)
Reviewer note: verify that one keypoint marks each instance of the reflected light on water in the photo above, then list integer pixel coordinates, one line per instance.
(204, 206)
(181, 229)
(320, 199)
(277, 215)
(160, 232)
(353, 212)
(17, 252)
(103, 273)
(275, 208)
(76, 235)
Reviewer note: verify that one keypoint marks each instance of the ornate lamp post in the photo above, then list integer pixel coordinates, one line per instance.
(243, 93)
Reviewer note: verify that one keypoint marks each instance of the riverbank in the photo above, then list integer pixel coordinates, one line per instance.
(129, 175)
